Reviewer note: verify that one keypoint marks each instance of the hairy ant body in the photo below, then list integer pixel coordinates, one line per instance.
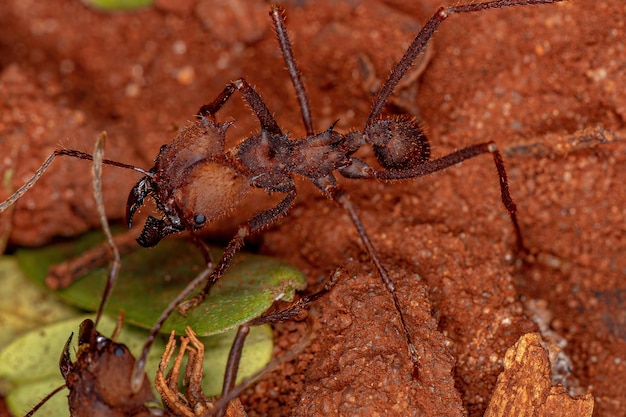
(195, 180)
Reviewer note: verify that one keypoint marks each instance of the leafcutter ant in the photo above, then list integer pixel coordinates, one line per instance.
(196, 181)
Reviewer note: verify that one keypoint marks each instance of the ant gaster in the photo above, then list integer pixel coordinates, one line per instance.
(195, 180)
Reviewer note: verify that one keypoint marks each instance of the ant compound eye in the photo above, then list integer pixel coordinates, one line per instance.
(118, 351)
(199, 219)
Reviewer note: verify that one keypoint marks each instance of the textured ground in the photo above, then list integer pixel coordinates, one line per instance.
(542, 82)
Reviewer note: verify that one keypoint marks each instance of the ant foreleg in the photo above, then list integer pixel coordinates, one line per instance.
(268, 123)
(261, 220)
(258, 222)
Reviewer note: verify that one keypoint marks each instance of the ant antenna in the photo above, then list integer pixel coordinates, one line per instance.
(63, 152)
(98, 158)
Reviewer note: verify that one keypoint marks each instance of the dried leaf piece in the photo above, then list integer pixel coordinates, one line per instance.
(524, 387)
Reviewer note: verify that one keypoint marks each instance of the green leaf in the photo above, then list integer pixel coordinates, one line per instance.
(150, 278)
(24, 305)
(29, 366)
(113, 5)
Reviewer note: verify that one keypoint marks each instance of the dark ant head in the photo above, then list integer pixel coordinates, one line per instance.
(99, 380)
(193, 182)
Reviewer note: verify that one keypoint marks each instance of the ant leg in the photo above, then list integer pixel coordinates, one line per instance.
(346, 203)
(166, 387)
(274, 364)
(422, 38)
(44, 400)
(327, 184)
(193, 373)
(61, 152)
(255, 101)
(236, 349)
(361, 170)
(136, 379)
(297, 307)
(209, 110)
(232, 365)
(258, 222)
(278, 16)
(455, 158)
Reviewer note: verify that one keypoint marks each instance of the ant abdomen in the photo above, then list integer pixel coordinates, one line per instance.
(398, 143)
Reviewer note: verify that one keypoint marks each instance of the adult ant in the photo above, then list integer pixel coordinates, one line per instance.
(196, 181)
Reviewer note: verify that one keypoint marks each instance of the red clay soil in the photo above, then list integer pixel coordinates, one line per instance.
(543, 82)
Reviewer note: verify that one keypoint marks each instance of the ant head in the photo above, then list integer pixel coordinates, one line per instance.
(192, 182)
(99, 380)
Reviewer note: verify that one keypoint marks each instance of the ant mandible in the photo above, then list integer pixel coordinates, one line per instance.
(195, 180)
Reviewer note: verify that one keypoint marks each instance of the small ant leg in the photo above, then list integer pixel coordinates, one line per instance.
(209, 110)
(268, 123)
(168, 396)
(247, 382)
(296, 308)
(251, 96)
(61, 152)
(278, 16)
(119, 324)
(193, 372)
(255, 101)
(422, 38)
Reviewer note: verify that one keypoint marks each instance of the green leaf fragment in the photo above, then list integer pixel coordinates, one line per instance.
(29, 366)
(24, 305)
(150, 278)
(113, 5)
